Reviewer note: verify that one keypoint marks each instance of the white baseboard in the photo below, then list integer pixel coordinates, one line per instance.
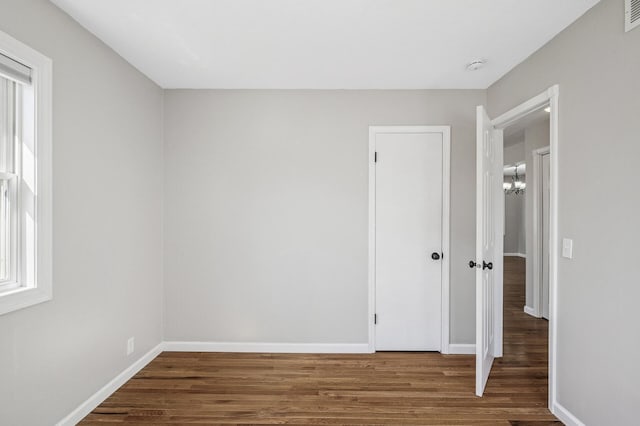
(462, 348)
(530, 311)
(303, 348)
(515, 255)
(97, 398)
(565, 415)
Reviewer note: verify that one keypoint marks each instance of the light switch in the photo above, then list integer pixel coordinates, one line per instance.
(567, 248)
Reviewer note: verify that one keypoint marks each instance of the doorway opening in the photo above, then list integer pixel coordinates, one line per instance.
(526, 245)
(491, 200)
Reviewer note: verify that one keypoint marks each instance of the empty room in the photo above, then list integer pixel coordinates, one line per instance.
(319, 212)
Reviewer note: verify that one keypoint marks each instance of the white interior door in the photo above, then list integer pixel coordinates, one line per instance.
(408, 238)
(545, 235)
(489, 247)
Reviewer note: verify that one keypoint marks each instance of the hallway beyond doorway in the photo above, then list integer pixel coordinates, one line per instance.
(525, 360)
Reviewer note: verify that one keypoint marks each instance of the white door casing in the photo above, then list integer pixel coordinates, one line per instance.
(541, 250)
(489, 247)
(545, 235)
(408, 223)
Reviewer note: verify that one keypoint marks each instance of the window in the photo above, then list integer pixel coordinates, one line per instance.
(25, 176)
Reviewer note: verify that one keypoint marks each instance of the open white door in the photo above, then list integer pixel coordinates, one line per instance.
(489, 247)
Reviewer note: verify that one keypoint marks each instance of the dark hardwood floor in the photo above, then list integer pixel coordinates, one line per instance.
(383, 388)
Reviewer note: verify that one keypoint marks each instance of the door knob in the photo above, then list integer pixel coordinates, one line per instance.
(435, 256)
(472, 264)
(486, 265)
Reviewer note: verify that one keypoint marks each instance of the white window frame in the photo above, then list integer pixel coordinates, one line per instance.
(41, 289)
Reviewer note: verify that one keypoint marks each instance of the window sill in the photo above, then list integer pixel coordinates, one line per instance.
(22, 297)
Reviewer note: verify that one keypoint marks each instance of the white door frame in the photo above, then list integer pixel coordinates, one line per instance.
(549, 97)
(446, 178)
(536, 258)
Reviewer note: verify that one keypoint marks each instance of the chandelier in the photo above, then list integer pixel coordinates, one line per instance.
(516, 184)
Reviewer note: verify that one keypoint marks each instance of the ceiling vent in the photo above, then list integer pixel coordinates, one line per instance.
(631, 14)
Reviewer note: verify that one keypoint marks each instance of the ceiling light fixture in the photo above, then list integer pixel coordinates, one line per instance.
(547, 109)
(517, 185)
(476, 65)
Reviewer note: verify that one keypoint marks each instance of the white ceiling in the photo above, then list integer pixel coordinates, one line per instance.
(324, 44)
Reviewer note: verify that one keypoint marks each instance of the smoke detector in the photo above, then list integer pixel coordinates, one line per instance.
(476, 65)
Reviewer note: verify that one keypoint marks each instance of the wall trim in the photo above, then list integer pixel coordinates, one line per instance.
(260, 347)
(97, 398)
(462, 348)
(515, 255)
(530, 311)
(565, 415)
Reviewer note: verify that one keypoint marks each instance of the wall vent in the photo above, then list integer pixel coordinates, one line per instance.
(631, 14)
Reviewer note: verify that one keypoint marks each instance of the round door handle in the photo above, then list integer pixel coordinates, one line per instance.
(486, 265)
(435, 256)
(472, 264)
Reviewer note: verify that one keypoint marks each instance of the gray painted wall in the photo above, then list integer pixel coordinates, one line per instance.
(597, 66)
(273, 244)
(514, 236)
(107, 157)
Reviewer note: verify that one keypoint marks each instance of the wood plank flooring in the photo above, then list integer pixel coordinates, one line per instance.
(382, 388)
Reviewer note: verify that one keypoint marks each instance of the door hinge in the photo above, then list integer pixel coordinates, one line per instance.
(375, 318)
(375, 157)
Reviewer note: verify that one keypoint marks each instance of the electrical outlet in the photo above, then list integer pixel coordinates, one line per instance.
(131, 345)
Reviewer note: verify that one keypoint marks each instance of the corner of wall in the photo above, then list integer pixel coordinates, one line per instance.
(97, 398)
(162, 215)
(565, 415)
